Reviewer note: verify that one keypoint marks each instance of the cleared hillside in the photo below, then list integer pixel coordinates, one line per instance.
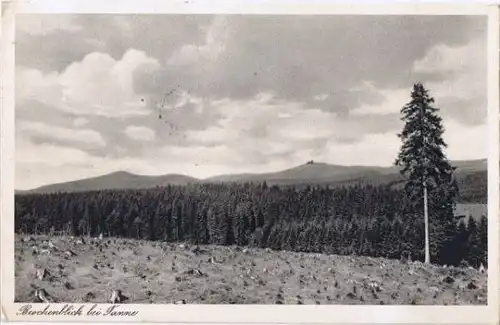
(159, 273)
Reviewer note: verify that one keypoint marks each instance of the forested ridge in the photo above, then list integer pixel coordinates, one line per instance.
(366, 220)
(472, 183)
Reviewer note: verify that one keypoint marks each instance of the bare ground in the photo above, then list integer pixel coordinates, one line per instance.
(155, 272)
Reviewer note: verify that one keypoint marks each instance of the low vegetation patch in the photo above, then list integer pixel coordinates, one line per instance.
(69, 269)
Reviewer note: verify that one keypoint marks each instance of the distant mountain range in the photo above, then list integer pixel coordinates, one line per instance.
(116, 180)
(470, 173)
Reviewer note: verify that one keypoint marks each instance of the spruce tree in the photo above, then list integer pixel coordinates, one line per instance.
(462, 242)
(429, 174)
(229, 229)
(483, 239)
(474, 252)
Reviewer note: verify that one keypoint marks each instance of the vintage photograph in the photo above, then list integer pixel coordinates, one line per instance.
(251, 159)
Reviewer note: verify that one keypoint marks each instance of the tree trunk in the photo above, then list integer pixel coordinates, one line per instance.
(426, 220)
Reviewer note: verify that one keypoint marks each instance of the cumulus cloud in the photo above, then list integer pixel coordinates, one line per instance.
(263, 117)
(46, 24)
(97, 85)
(42, 131)
(265, 129)
(56, 163)
(463, 95)
(212, 47)
(445, 58)
(465, 143)
(228, 94)
(371, 150)
(392, 102)
(455, 77)
(60, 163)
(140, 133)
(48, 154)
(321, 97)
(80, 121)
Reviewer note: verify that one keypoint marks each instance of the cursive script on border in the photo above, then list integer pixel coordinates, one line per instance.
(75, 310)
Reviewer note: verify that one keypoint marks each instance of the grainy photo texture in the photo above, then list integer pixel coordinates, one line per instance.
(251, 159)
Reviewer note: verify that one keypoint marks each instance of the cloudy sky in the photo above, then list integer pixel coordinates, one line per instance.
(236, 93)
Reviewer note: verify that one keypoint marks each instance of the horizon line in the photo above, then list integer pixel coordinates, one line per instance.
(218, 175)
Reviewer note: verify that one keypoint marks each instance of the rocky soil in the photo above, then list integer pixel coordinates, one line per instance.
(67, 269)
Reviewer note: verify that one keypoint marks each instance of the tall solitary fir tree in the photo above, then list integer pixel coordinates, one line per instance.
(429, 174)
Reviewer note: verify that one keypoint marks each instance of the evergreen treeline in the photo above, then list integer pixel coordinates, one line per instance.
(474, 187)
(358, 220)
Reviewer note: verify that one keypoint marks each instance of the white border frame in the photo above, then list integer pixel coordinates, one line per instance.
(275, 314)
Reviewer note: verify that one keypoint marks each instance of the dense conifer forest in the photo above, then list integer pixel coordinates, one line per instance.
(367, 220)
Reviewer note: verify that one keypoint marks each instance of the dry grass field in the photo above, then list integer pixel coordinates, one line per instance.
(161, 273)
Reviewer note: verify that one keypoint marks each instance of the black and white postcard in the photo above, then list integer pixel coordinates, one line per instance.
(276, 162)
